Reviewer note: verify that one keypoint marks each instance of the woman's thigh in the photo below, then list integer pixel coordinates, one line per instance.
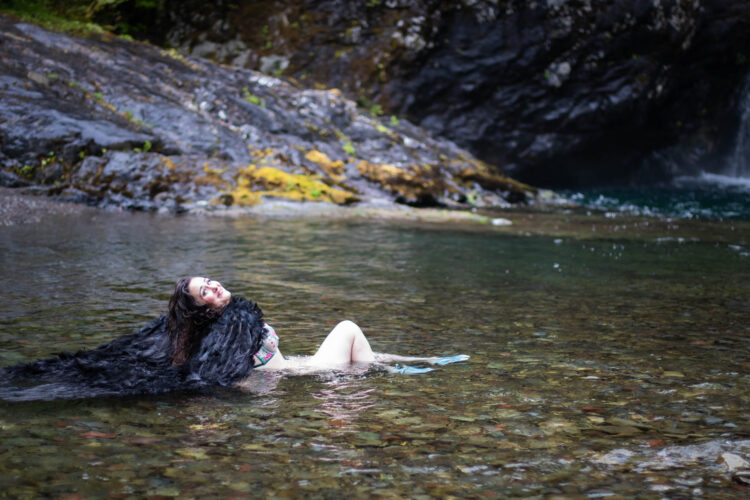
(345, 343)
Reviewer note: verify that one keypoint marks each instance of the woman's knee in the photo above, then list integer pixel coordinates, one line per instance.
(349, 326)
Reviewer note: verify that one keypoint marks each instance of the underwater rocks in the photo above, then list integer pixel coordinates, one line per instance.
(111, 122)
(553, 92)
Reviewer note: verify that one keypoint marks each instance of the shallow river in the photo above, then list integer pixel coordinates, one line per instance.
(609, 356)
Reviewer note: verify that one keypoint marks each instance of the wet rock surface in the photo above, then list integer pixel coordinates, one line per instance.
(554, 92)
(16, 208)
(107, 121)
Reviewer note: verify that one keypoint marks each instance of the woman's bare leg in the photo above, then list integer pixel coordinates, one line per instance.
(384, 357)
(345, 344)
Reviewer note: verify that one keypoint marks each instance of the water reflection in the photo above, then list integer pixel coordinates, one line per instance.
(343, 401)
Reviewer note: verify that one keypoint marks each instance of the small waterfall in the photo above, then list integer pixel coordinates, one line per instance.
(739, 160)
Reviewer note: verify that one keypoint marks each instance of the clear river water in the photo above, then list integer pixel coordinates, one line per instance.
(609, 357)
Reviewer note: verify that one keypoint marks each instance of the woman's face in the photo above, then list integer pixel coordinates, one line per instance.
(208, 292)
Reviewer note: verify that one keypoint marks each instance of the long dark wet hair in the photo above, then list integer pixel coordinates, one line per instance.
(187, 321)
(190, 347)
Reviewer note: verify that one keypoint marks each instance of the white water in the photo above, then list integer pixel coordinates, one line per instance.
(739, 161)
(730, 179)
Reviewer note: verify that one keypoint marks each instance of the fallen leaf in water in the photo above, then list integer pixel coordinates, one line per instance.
(368, 435)
(389, 414)
(311, 414)
(165, 492)
(203, 427)
(618, 430)
(592, 409)
(96, 434)
(392, 437)
(240, 486)
(195, 453)
(141, 440)
(408, 421)
(463, 419)
(254, 447)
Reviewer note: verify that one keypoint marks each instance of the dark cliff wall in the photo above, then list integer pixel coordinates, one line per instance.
(555, 92)
(113, 122)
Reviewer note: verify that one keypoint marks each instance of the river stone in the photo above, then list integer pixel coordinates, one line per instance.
(734, 462)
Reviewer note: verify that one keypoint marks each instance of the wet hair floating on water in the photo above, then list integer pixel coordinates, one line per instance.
(220, 352)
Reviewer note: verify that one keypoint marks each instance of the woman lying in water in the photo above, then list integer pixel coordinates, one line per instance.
(207, 338)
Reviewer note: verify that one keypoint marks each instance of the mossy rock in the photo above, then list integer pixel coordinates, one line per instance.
(254, 183)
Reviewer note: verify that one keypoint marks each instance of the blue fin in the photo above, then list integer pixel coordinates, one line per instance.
(451, 359)
(410, 370)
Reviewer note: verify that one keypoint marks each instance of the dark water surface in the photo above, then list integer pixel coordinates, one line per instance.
(706, 196)
(609, 357)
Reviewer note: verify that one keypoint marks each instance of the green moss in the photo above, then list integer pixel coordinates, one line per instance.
(252, 98)
(145, 149)
(27, 171)
(71, 17)
(349, 148)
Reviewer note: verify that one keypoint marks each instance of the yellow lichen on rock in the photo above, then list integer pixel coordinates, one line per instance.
(212, 177)
(492, 182)
(334, 169)
(413, 183)
(243, 195)
(260, 153)
(254, 182)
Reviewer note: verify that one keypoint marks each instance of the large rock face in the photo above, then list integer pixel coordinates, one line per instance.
(558, 92)
(113, 122)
